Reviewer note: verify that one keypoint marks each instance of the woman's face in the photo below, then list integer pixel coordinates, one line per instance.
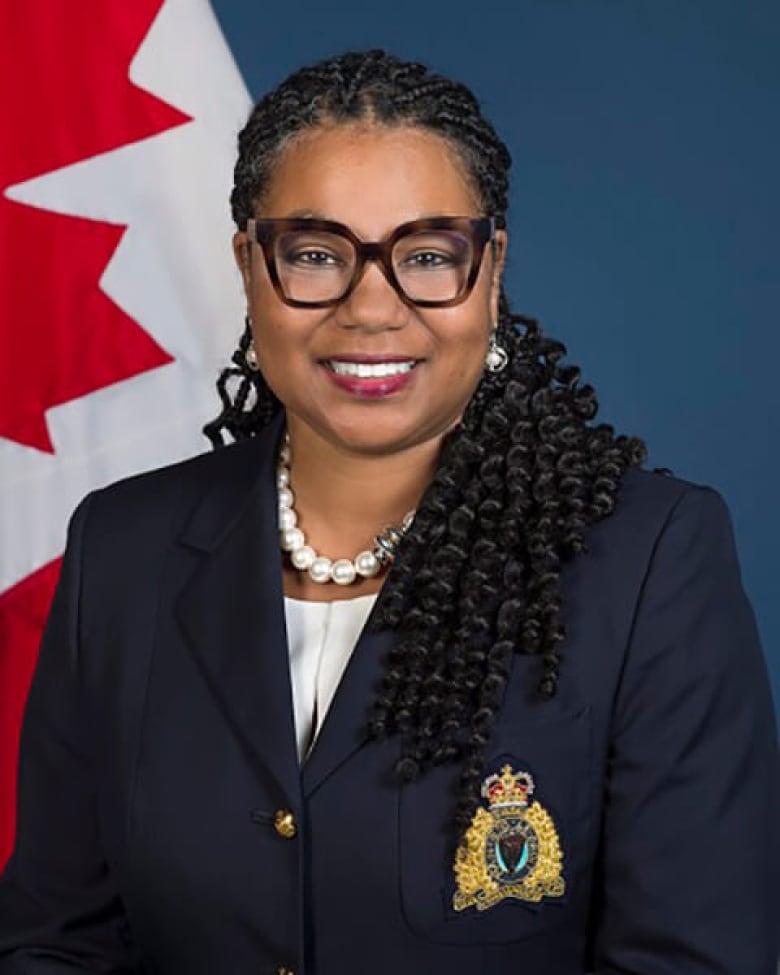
(372, 179)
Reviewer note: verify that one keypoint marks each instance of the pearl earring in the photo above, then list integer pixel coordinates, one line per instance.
(497, 357)
(250, 356)
(250, 353)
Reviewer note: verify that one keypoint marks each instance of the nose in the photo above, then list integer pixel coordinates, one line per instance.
(373, 304)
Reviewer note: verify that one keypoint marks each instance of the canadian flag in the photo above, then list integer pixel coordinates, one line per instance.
(119, 299)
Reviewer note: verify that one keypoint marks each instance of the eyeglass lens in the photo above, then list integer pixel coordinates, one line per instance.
(429, 265)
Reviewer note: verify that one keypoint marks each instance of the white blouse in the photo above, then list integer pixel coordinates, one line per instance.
(321, 638)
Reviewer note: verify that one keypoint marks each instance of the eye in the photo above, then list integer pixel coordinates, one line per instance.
(428, 260)
(312, 258)
(431, 251)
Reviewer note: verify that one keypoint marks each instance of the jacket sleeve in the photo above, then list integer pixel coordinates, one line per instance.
(690, 880)
(58, 909)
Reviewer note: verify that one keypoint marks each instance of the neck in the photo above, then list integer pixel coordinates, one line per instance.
(343, 497)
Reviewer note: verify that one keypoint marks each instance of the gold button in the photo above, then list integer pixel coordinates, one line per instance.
(284, 971)
(284, 824)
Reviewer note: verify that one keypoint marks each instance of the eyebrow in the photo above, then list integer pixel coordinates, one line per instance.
(308, 214)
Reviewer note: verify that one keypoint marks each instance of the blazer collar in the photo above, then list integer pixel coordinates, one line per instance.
(231, 610)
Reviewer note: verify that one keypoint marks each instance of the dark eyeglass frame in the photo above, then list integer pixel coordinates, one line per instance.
(265, 231)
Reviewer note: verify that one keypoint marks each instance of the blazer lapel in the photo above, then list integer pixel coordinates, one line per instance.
(345, 727)
(232, 611)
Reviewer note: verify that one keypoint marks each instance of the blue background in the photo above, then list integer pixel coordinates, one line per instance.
(645, 206)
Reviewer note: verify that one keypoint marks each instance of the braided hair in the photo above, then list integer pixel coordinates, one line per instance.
(478, 577)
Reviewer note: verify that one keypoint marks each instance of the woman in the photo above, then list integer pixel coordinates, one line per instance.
(550, 748)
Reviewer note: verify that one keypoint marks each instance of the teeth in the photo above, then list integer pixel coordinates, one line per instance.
(362, 370)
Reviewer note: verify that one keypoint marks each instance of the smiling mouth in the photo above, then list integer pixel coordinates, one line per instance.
(369, 370)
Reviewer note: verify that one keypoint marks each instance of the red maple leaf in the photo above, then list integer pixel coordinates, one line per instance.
(66, 97)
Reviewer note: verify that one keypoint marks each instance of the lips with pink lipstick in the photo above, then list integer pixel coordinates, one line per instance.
(370, 377)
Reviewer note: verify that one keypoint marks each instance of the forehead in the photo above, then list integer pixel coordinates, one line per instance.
(371, 177)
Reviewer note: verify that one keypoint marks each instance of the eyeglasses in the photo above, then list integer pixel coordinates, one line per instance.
(433, 262)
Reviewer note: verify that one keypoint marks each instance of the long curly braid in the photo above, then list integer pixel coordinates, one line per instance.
(477, 579)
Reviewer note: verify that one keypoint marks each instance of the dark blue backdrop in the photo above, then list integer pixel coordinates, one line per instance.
(645, 208)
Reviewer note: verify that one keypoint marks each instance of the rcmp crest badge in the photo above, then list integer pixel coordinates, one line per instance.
(510, 850)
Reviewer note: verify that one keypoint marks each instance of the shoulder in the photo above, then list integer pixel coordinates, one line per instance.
(655, 496)
(232, 467)
(687, 614)
(651, 506)
(683, 530)
(667, 543)
(234, 461)
(157, 504)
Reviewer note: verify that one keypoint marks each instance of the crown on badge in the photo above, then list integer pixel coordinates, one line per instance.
(508, 788)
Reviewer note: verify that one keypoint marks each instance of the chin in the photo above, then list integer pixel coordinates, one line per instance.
(381, 439)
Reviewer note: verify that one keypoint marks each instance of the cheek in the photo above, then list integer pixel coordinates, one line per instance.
(276, 350)
(472, 363)
(461, 368)
(265, 306)
(279, 330)
(274, 319)
(283, 342)
(464, 342)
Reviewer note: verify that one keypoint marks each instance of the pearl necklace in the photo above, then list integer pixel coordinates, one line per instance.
(343, 572)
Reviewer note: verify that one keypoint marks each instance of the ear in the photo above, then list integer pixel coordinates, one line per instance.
(241, 255)
(499, 259)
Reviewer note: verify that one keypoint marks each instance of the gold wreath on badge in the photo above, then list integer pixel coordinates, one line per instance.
(510, 850)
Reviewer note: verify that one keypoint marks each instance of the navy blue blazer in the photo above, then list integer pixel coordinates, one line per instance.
(158, 744)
